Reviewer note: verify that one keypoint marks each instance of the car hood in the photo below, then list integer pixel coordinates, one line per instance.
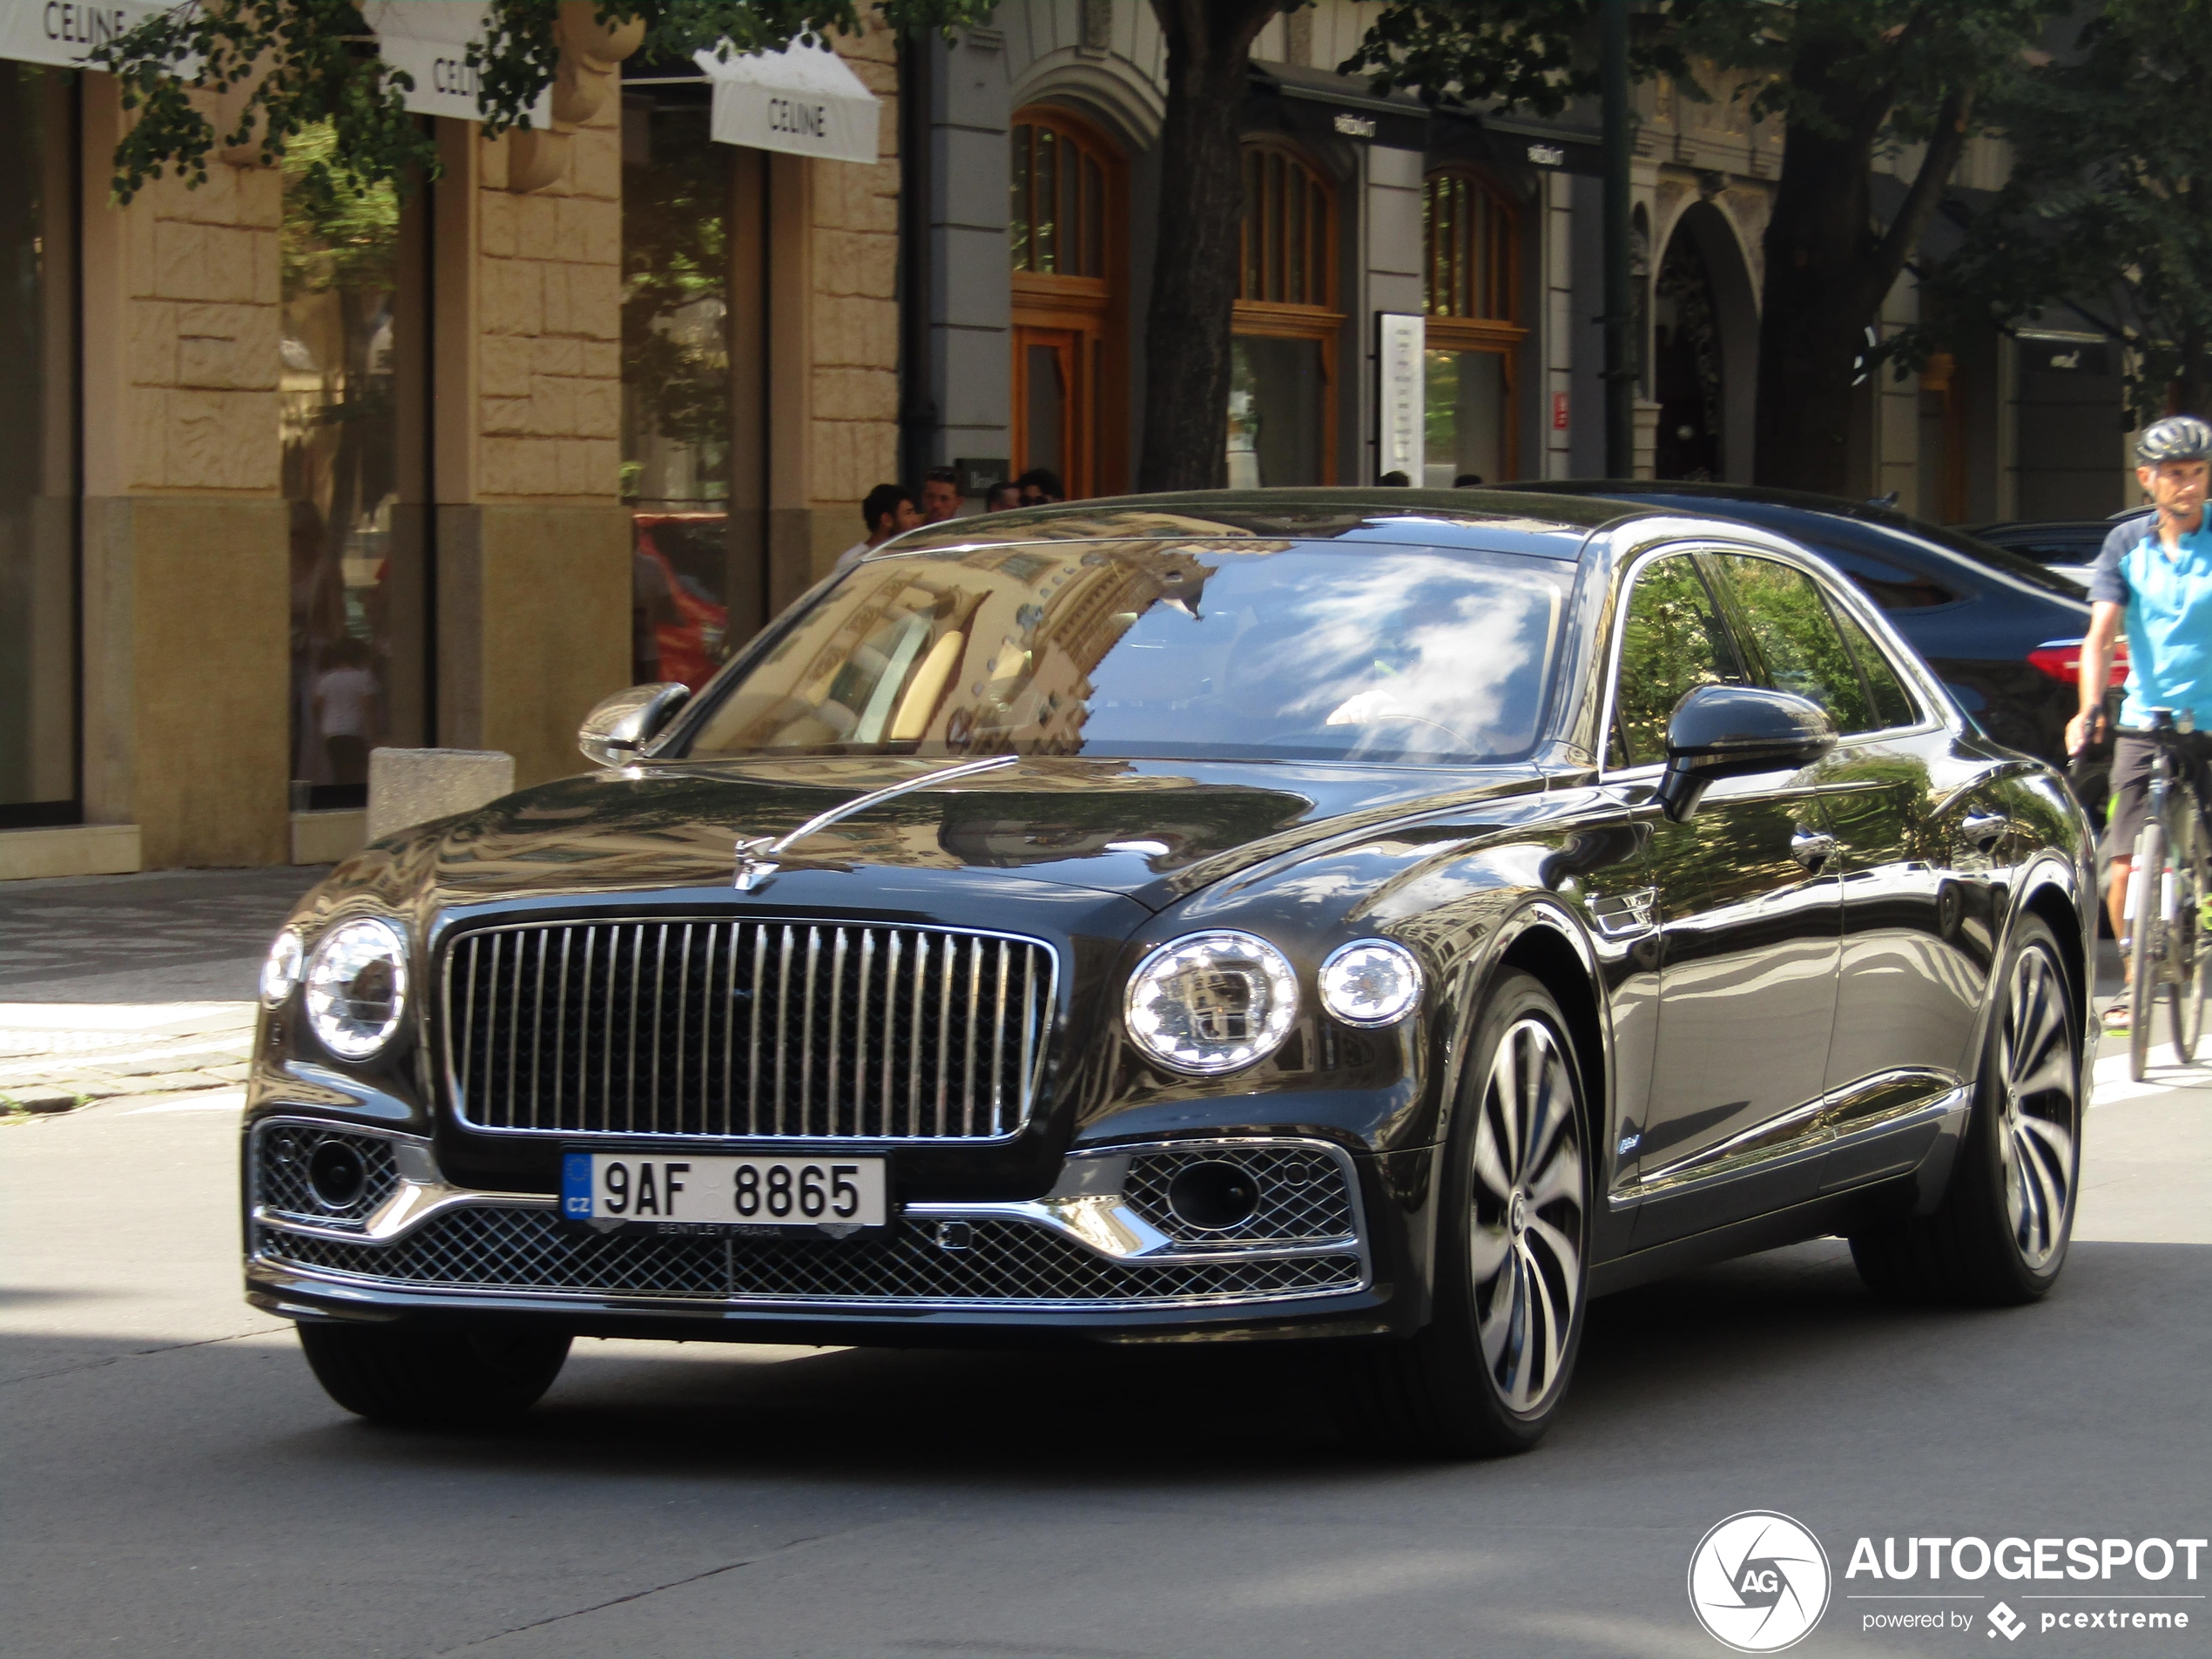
(1152, 831)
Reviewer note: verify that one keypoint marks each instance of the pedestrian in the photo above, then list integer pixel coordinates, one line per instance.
(1395, 480)
(1002, 496)
(346, 709)
(940, 495)
(1040, 486)
(887, 511)
(1467, 480)
(2155, 577)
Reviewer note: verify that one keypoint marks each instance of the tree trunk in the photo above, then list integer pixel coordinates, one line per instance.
(1194, 271)
(1827, 273)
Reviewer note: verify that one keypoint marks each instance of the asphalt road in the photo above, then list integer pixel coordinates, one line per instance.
(173, 1483)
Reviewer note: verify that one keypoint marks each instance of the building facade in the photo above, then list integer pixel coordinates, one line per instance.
(283, 479)
(1032, 187)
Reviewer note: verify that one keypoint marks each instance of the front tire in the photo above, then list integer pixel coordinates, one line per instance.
(1487, 1375)
(434, 1378)
(1999, 1235)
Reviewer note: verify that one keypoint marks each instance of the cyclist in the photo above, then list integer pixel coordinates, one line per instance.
(2154, 575)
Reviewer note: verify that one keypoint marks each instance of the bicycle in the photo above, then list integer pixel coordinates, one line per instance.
(2166, 943)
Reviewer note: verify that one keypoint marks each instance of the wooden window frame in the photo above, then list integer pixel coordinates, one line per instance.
(1284, 319)
(1095, 308)
(1443, 331)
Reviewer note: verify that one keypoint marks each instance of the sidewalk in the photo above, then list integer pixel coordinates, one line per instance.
(133, 984)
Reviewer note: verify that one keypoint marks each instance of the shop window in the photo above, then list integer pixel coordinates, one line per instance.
(1471, 232)
(1282, 411)
(678, 393)
(1063, 239)
(352, 429)
(38, 426)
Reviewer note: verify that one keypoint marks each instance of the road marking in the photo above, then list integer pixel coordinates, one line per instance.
(216, 1099)
(2114, 1085)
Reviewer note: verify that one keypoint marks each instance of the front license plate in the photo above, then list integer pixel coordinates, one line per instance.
(726, 1193)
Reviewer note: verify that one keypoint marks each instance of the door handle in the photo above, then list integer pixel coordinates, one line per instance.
(1982, 829)
(1812, 848)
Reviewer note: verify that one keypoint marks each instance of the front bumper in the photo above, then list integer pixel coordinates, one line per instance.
(1101, 1255)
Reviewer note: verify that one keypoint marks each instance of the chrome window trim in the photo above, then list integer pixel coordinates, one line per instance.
(1838, 588)
(455, 1100)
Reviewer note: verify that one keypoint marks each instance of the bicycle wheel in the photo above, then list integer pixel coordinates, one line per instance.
(2143, 957)
(2185, 942)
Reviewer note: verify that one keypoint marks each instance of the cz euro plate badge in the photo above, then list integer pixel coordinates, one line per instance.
(775, 1195)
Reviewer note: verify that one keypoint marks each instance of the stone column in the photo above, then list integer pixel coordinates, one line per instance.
(534, 558)
(186, 611)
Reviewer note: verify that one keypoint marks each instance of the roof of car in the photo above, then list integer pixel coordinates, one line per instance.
(1475, 519)
(1862, 521)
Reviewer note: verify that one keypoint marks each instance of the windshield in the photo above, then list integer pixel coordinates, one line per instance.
(1260, 650)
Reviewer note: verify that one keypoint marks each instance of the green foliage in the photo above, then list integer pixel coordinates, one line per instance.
(295, 63)
(340, 239)
(2110, 200)
(285, 66)
(1812, 61)
(675, 255)
(1534, 54)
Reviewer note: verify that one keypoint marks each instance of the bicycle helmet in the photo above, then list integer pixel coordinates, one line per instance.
(2178, 438)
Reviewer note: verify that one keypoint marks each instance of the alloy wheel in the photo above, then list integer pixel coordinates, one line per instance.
(2039, 1109)
(1526, 1243)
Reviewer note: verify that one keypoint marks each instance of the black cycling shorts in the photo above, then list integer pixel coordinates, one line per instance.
(2132, 753)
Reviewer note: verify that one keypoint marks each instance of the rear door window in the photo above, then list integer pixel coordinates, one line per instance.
(1789, 630)
(1893, 704)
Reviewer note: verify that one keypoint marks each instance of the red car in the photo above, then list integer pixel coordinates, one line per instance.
(688, 547)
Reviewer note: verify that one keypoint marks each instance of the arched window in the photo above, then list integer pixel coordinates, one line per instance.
(1282, 407)
(1063, 237)
(1472, 235)
(1471, 276)
(1057, 226)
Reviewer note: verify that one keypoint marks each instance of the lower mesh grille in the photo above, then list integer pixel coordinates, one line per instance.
(281, 1153)
(1303, 1195)
(500, 1248)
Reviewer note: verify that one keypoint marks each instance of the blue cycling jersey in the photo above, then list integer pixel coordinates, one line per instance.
(2168, 600)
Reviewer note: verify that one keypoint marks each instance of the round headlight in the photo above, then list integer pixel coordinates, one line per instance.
(1211, 1002)
(1371, 981)
(357, 987)
(281, 971)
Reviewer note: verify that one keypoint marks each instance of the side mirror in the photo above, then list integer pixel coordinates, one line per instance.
(1732, 731)
(620, 726)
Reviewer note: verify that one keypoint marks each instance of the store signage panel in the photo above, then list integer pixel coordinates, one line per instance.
(50, 31)
(1398, 413)
(803, 100)
(430, 39)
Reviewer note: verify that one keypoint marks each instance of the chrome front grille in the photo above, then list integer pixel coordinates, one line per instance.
(492, 1249)
(717, 1027)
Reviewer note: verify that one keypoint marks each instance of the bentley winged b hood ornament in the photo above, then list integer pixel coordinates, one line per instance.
(760, 858)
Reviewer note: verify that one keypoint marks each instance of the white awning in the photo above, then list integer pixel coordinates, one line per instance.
(803, 100)
(50, 32)
(429, 39)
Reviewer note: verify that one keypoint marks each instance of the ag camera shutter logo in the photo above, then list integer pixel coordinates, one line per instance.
(1759, 1581)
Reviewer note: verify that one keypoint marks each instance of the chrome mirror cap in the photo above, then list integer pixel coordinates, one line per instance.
(620, 726)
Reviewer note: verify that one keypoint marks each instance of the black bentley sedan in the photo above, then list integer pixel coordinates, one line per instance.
(1381, 920)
